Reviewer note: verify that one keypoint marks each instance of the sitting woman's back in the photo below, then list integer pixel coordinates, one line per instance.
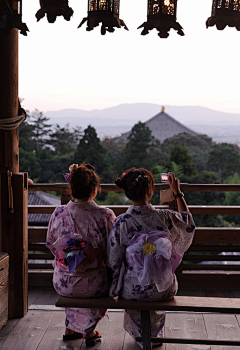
(77, 236)
(145, 247)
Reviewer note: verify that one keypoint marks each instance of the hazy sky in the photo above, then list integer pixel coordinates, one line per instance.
(61, 66)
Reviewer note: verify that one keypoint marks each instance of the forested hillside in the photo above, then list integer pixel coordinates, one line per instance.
(46, 151)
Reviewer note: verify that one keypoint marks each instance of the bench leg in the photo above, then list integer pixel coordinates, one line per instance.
(146, 329)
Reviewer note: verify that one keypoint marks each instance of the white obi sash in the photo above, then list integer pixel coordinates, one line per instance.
(152, 259)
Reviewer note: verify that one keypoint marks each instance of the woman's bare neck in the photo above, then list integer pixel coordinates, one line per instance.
(82, 200)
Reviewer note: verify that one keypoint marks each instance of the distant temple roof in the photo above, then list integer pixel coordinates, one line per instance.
(41, 198)
(163, 126)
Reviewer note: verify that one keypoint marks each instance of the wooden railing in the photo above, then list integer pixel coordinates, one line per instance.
(202, 263)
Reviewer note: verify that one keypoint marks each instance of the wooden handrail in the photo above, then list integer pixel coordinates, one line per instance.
(157, 187)
(120, 209)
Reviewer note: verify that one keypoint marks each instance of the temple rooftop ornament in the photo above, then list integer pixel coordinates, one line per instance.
(11, 17)
(54, 8)
(105, 12)
(162, 16)
(225, 13)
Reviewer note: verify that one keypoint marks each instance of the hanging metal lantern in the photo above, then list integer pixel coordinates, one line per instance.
(11, 17)
(225, 13)
(54, 8)
(105, 12)
(162, 15)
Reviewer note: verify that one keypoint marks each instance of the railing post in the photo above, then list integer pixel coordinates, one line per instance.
(66, 195)
(18, 260)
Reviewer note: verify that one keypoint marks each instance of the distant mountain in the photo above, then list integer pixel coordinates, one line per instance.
(222, 127)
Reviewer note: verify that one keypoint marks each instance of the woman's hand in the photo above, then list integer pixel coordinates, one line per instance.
(174, 183)
(175, 187)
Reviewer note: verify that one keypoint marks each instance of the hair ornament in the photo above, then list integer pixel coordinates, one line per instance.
(124, 175)
(71, 168)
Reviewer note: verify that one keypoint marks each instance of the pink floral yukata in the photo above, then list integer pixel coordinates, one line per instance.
(125, 256)
(86, 222)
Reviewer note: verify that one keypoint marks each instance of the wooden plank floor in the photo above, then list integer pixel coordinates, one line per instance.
(43, 326)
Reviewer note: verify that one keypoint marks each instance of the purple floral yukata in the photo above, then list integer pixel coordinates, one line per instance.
(179, 226)
(84, 222)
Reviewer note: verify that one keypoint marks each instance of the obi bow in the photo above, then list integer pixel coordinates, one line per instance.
(75, 252)
(153, 258)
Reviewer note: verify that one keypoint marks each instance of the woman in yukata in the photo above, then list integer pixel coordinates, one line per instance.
(145, 247)
(77, 236)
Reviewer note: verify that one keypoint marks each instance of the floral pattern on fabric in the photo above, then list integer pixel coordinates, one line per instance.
(145, 218)
(92, 224)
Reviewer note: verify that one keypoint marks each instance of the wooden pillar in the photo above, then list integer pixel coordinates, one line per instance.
(13, 229)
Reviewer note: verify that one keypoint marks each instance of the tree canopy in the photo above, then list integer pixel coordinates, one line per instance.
(136, 153)
(90, 150)
(46, 151)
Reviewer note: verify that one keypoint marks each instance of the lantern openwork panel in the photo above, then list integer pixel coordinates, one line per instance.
(225, 13)
(104, 5)
(164, 7)
(225, 5)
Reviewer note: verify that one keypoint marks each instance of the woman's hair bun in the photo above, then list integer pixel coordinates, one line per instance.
(135, 182)
(83, 180)
(89, 166)
(143, 181)
(120, 183)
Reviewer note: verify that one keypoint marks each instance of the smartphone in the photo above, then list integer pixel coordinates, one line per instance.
(164, 177)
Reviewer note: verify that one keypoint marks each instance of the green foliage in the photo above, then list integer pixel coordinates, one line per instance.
(136, 154)
(114, 151)
(62, 140)
(26, 140)
(46, 153)
(232, 198)
(202, 142)
(198, 147)
(180, 155)
(206, 198)
(41, 129)
(177, 169)
(224, 159)
(114, 198)
(90, 150)
(29, 163)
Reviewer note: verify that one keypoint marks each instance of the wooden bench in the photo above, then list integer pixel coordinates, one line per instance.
(179, 303)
